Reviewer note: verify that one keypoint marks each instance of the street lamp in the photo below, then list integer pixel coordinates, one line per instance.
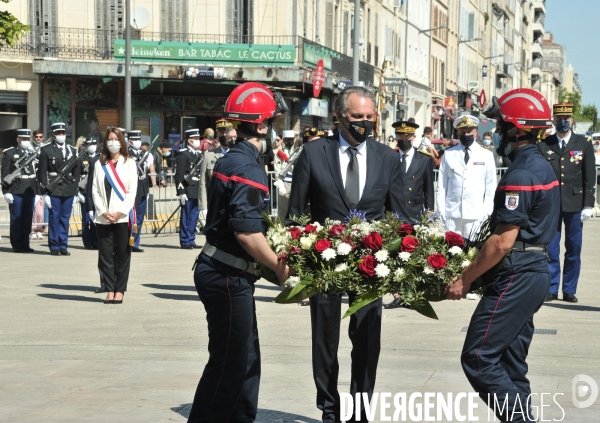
(432, 29)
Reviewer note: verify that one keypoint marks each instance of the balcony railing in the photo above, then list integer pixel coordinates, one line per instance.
(69, 43)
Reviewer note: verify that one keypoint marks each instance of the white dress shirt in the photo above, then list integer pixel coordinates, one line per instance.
(408, 157)
(564, 140)
(361, 158)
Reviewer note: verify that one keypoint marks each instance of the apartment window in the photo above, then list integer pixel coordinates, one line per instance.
(389, 41)
(329, 28)
(398, 50)
(335, 28)
(174, 20)
(345, 34)
(239, 26)
(42, 13)
(471, 33)
(435, 21)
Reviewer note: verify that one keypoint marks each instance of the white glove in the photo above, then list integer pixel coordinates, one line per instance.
(47, 201)
(75, 200)
(204, 213)
(183, 198)
(37, 199)
(586, 213)
(81, 198)
(280, 187)
(9, 198)
(91, 213)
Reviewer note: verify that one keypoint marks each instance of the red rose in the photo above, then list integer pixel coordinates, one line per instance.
(454, 240)
(282, 257)
(406, 229)
(437, 261)
(409, 244)
(337, 230)
(373, 241)
(310, 228)
(295, 233)
(367, 267)
(294, 250)
(321, 245)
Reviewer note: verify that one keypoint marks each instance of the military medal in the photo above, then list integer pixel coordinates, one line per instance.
(576, 156)
(550, 152)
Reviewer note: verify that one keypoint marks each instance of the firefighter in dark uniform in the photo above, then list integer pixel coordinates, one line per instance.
(88, 159)
(141, 197)
(188, 192)
(573, 161)
(417, 173)
(60, 201)
(526, 209)
(20, 193)
(224, 276)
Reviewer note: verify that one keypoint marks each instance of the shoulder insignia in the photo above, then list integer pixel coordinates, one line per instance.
(7, 149)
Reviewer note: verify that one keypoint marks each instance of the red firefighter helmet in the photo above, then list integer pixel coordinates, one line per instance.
(526, 109)
(250, 102)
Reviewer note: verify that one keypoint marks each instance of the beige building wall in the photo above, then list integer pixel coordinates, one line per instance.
(453, 28)
(18, 8)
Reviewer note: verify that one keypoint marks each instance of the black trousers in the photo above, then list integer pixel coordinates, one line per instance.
(495, 350)
(228, 388)
(114, 256)
(364, 333)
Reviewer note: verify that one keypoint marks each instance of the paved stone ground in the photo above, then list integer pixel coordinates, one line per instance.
(67, 357)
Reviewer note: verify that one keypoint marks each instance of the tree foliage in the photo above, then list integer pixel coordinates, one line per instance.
(11, 29)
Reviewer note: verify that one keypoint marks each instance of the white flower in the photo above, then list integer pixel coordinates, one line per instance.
(381, 270)
(364, 229)
(465, 263)
(472, 253)
(381, 255)
(341, 267)
(428, 270)
(437, 234)
(399, 273)
(277, 239)
(313, 236)
(328, 254)
(404, 255)
(317, 225)
(306, 243)
(292, 281)
(344, 249)
(455, 250)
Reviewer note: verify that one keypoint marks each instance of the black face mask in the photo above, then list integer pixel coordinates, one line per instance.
(289, 143)
(467, 140)
(360, 129)
(223, 140)
(404, 145)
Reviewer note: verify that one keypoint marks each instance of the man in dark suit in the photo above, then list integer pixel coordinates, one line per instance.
(416, 171)
(572, 158)
(338, 174)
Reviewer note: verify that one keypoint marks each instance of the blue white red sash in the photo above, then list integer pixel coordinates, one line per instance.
(110, 172)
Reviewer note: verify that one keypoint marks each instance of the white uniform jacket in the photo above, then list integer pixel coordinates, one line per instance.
(466, 191)
(127, 171)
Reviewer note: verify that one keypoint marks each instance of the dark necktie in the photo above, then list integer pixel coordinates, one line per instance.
(403, 164)
(352, 178)
(562, 149)
(466, 155)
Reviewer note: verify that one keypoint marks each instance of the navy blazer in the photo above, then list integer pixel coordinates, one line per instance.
(317, 181)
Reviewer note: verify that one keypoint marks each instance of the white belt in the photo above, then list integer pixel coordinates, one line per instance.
(52, 174)
(194, 178)
(27, 176)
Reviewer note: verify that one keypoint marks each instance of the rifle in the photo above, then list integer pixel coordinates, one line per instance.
(21, 164)
(140, 164)
(83, 182)
(195, 168)
(292, 160)
(63, 171)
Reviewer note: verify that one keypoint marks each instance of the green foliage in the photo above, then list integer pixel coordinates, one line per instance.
(581, 113)
(11, 29)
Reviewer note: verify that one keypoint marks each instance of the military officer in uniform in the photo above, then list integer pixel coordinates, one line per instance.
(144, 168)
(88, 232)
(572, 158)
(526, 208)
(466, 181)
(188, 192)
(281, 160)
(60, 201)
(20, 193)
(210, 159)
(224, 274)
(416, 169)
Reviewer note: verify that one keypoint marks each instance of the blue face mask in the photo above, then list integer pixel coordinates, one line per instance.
(563, 126)
(487, 142)
(467, 140)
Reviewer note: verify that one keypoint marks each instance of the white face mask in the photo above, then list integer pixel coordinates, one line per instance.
(60, 138)
(113, 146)
(136, 144)
(25, 145)
(596, 146)
(195, 144)
(91, 149)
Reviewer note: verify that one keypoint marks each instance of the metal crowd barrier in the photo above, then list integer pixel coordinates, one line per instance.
(163, 201)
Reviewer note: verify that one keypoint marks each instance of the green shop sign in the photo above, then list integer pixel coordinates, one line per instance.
(264, 54)
(312, 54)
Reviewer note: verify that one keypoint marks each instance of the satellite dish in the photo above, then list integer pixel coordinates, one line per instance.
(140, 18)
